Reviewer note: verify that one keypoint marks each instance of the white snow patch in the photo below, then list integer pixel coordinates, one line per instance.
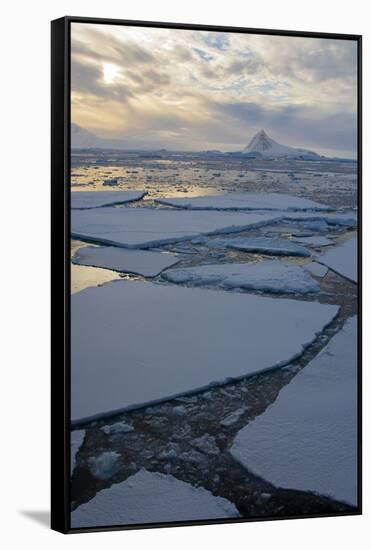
(244, 201)
(135, 343)
(342, 259)
(307, 440)
(140, 262)
(147, 227)
(95, 199)
(268, 275)
(151, 497)
(77, 439)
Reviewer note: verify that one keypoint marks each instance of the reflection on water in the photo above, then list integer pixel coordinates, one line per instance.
(84, 276)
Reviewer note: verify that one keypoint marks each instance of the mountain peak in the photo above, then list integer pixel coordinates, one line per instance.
(264, 145)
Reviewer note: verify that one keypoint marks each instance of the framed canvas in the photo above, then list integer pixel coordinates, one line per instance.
(206, 274)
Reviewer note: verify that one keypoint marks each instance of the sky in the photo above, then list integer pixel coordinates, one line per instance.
(193, 90)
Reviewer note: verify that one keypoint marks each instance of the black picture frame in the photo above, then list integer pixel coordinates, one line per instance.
(60, 264)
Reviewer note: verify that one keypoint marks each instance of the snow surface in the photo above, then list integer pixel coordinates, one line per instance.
(146, 227)
(244, 201)
(342, 259)
(316, 269)
(151, 497)
(77, 438)
(266, 245)
(315, 240)
(136, 342)
(140, 262)
(307, 440)
(269, 275)
(94, 199)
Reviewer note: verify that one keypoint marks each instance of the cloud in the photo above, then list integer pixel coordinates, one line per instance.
(196, 89)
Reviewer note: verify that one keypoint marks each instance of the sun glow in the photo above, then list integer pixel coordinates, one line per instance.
(110, 73)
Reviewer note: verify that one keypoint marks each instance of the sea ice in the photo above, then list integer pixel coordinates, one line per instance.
(266, 245)
(77, 438)
(268, 275)
(316, 269)
(151, 497)
(105, 465)
(307, 440)
(314, 240)
(321, 220)
(136, 343)
(148, 227)
(94, 199)
(244, 201)
(141, 262)
(342, 259)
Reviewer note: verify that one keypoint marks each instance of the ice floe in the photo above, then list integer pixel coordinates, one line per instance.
(244, 201)
(140, 262)
(151, 497)
(135, 342)
(269, 276)
(77, 438)
(266, 245)
(321, 221)
(307, 440)
(314, 240)
(342, 259)
(146, 227)
(95, 199)
(316, 269)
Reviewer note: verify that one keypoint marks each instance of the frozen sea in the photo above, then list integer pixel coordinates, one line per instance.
(309, 237)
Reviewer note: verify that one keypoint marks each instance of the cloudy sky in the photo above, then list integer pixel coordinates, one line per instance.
(192, 90)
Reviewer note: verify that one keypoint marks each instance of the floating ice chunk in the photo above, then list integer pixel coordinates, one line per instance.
(342, 259)
(77, 438)
(117, 428)
(206, 444)
(316, 269)
(224, 332)
(266, 245)
(141, 262)
(233, 417)
(105, 465)
(307, 440)
(94, 199)
(147, 227)
(268, 276)
(314, 240)
(244, 201)
(151, 497)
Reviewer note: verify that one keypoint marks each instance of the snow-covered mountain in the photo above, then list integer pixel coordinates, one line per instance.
(264, 145)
